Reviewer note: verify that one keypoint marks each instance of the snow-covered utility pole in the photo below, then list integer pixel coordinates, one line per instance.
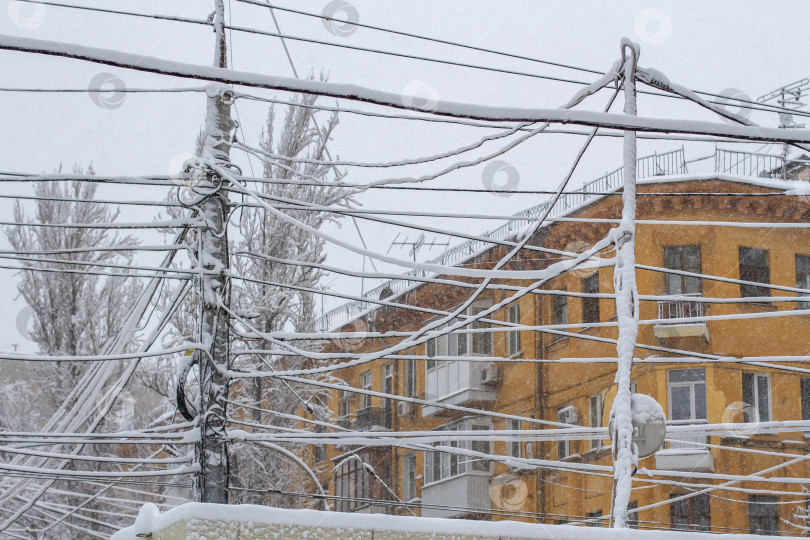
(211, 483)
(624, 283)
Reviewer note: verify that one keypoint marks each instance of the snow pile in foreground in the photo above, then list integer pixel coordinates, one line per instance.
(253, 522)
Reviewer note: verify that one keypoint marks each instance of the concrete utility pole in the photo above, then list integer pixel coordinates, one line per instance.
(211, 483)
(624, 283)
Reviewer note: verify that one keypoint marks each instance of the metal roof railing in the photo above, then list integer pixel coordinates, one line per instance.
(668, 163)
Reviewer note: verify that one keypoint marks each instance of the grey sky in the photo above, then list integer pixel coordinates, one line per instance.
(751, 46)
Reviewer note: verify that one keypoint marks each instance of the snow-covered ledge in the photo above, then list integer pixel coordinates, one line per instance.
(250, 522)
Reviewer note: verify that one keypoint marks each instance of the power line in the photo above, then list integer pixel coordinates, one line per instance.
(743, 103)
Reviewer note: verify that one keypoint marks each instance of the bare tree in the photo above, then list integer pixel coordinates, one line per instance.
(74, 313)
(277, 299)
(76, 309)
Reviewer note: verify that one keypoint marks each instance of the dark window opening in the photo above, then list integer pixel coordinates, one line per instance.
(803, 278)
(763, 515)
(691, 514)
(805, 398)
(754, 267)
(561, 308)
(590, 305)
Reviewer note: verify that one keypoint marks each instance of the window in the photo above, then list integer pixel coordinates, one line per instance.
(513, 316)
(803, 278)
(365, 384)
(408, 477)
(595, 408)
(687, 394)
(686, 259)
(319, 450)
(513, 447)
(561, 308)
(352, 482)
(480, 464)
(459, 343)
(754, 267)
(481, 341)
(632, 515)
(410, 378)
(564, 446)
(344, 403)
(763, 516)
(441, 465)
(430, 352)
(388, 388)
(756, 393)
(691, 514)
(593, 519)
(590, 306)
(805, 398)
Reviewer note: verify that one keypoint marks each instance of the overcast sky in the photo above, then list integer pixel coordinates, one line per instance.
(753, 47)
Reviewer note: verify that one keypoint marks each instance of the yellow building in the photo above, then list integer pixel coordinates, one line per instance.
(719, 347)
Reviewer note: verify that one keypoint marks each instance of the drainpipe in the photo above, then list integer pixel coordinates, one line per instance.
(538, 407)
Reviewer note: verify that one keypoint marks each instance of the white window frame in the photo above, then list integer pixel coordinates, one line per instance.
(755, 405)
(514, 346)
(514, 448)
(595, 420)
(454, 465)
(365, 384)
(563, 446)
(693, 404)
(449, 344)
(387, 387)
(408, 480)
(344, 403)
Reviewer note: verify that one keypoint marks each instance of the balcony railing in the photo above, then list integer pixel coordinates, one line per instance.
(671, 163)
(687, 440)
(371, 418)
(681, 308)
(667, 163)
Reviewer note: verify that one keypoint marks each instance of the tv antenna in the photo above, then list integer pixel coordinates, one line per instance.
(788, 97)
(418, 244)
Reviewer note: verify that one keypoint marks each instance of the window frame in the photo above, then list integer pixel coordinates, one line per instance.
(440, 466)
(352, 482)
(693, 415)
(758, 501)
(514, 448)
(684, 281)
(563, 446)
(597, 421)
(365, 384)
(387, 387)
(344, 403)
(450, 344)
(409, 477)
(410, 378)
(560, 307)
(803, 284)
(514, 346)
(804, 393)
(590, 305)
(694, 521)
(745, 270)
(756, 379)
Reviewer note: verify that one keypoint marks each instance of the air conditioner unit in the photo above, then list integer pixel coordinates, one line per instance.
(568, 415)
(405, 408)
(489, 374)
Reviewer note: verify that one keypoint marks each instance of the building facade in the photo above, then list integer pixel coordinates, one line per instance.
(722, 264)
